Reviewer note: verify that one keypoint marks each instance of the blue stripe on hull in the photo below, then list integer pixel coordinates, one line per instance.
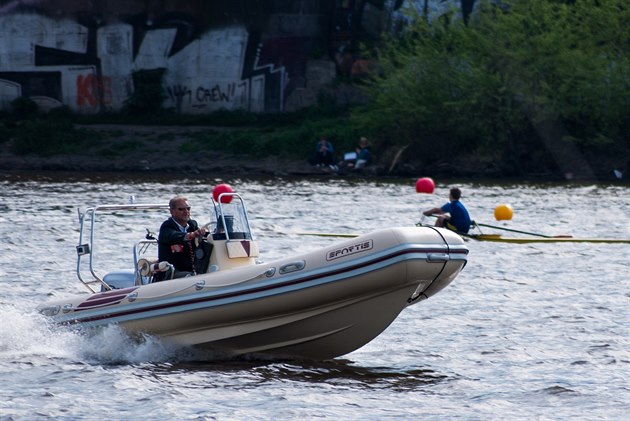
(241, 293)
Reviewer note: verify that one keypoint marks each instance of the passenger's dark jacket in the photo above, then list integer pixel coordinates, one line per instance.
(173, 248)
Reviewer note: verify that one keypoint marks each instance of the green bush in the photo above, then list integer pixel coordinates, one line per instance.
(148, 93)
(121, 148)
(23, 108)
(290, 141)
(5, 133)
(495, 85)
(48, 137)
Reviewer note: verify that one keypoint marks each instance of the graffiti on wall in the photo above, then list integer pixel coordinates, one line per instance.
(84, 55)
(90, 68)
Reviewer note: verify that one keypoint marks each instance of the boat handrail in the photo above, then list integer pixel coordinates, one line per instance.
(88, 248)
(232, 223)
(130, 206)
(139, 249)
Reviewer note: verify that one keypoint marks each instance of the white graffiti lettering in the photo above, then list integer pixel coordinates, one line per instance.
(92, 77)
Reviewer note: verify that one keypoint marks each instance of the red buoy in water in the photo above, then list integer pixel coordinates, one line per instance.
(425, 185)
(222, 188)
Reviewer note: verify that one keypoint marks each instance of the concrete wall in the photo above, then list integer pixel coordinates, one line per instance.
(230, 54)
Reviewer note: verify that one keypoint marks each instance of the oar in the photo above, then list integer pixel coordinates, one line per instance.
(512, 230)
(522, 232)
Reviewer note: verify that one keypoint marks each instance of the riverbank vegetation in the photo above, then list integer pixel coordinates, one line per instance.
(523, 88)
(526, 85)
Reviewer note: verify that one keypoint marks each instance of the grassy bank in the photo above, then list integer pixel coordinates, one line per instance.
(523, 89)
(289, 137)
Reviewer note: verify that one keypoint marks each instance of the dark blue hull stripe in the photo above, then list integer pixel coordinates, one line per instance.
(266, 288)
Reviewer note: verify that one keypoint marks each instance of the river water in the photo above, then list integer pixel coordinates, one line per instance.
(530, 331)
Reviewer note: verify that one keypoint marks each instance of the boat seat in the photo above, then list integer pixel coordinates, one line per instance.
(120, 279)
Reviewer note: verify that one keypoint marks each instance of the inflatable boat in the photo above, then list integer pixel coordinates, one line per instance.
(317, 305)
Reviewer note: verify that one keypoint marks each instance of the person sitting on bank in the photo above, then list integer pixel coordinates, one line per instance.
(175, 240)
(364, 155)
(361, 157)
(323, 153)
(452, 215)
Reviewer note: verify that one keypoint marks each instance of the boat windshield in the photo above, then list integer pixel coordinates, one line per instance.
(230, 218)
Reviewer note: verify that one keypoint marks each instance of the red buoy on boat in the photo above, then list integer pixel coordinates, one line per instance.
(425, 185)
(222, 188)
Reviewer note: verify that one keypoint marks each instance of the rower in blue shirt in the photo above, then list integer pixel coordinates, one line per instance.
(452, 215)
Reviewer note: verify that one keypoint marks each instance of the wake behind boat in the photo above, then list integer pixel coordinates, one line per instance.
(317, 305)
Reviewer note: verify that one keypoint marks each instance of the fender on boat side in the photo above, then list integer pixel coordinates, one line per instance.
(455, 246)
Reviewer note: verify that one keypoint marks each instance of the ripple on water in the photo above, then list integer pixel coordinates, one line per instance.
(525, 332)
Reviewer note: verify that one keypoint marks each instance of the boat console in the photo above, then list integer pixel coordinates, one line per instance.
(229, 244)
(230, 234)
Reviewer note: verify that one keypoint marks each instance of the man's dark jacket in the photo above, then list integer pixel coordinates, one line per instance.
(173, 248)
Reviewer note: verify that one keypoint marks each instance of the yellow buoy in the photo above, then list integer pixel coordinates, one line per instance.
(503, 213)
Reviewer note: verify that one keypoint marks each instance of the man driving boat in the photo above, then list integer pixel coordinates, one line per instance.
(176, 243)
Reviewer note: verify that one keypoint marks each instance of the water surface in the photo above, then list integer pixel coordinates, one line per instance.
(533, 331)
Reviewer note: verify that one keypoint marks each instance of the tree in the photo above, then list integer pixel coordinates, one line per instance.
(490, 86)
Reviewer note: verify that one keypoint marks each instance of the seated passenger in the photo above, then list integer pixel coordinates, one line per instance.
(175, 240)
